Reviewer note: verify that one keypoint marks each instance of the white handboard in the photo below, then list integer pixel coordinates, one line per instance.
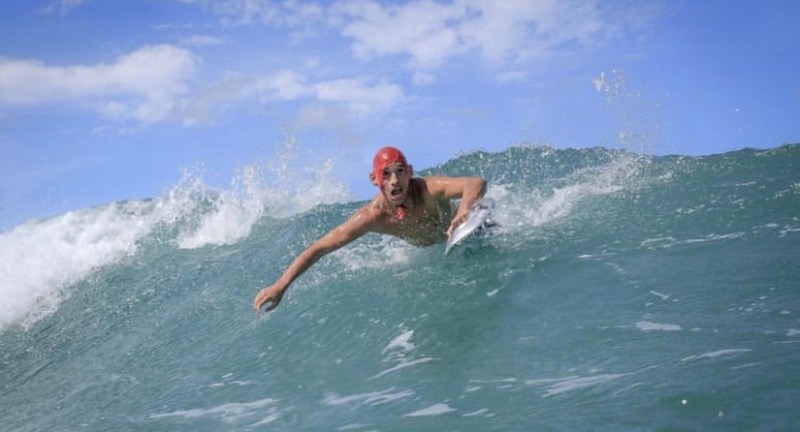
(477, 219)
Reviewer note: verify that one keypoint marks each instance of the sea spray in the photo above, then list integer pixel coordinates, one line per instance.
(40, 260)
(619, 292)
(251, 196)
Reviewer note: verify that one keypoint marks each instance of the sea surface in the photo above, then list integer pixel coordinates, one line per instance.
(619, 292)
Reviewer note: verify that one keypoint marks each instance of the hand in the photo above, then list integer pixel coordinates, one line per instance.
(457, 220)
(270, 296)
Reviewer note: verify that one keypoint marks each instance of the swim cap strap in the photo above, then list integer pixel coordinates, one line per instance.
(400, 212)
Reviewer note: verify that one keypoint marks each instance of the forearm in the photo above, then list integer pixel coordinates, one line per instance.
(338, 237)
(300, 264)
(472, 192)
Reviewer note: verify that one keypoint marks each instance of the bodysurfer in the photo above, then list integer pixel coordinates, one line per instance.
(417, 210)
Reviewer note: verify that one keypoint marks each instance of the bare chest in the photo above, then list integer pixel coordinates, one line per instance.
(424, 225)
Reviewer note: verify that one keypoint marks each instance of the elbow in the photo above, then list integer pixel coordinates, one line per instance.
(481, 185)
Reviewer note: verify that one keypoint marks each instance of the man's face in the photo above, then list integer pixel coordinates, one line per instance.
(396, 178)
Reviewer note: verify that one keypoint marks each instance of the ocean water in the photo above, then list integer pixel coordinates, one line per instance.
(620, 292)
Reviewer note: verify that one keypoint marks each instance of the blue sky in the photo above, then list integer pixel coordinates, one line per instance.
(103, 101)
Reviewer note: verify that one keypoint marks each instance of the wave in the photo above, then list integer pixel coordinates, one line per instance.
(580, 196)
(614, 282)
(41, 258)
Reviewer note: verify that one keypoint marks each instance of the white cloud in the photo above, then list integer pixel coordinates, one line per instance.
(429, 32)
(502, 30)
(202, 40)
(352, 97)
(422, 30)
(302, 19)
(289, 13)
(154, 83)
(511, 37)
(62, 6)
(337, 120)
(206, 100)
(423, 79)
(144, 85)
(238, 12)
(359, 94)
(511, 76)
(285, 85)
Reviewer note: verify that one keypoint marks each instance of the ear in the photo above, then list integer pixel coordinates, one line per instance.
(373, 180)
(411, 170)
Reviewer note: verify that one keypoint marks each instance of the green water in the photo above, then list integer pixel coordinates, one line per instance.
(620, 292)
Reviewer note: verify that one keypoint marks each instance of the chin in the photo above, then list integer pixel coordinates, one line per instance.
(397, 199)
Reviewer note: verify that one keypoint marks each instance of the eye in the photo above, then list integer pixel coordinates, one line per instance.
(394, 170)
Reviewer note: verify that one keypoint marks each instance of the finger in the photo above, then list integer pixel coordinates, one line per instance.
(259, 300)
(455, 223)
(268, 305)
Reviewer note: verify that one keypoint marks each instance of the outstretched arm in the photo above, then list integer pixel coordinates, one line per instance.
(469, 189)
(353, 228)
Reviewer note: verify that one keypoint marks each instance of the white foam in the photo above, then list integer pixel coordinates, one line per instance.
(228, 412)
(659, 242)
(374, 253)
(352, 426)
(39, 259)
(658, 294)
(371, 398)
(715, 237)
(482, 411)
(402, 342)
(403, 366)
(668, 242)
(652, 326)
(234, 213)
(746, 365)
(562, 385)
(718, 353)
(258, 190)
(433, 410)
(517, 212)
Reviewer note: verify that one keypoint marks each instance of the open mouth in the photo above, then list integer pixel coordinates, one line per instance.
(396, 192)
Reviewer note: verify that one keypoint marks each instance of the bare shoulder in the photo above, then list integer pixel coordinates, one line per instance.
(371, 210)
(368, 216)
(441, 186)
(365, 219)
(431, 185)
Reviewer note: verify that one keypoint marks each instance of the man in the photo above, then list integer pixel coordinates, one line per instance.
(417, 210)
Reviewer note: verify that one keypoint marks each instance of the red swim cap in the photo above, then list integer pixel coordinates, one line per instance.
(385, 157)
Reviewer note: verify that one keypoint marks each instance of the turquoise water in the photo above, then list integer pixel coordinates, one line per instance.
(620, 292)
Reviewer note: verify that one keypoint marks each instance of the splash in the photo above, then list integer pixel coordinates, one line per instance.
(557, 199)
(39, 260)
(636, 116)
(279, 189)
(611, 84)
(374, 253)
